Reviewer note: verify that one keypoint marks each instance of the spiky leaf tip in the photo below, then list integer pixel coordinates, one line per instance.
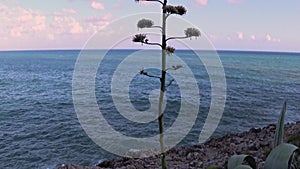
(145, 23)
(279, 132)
(170, 50)
(192, 32)
(139, 38)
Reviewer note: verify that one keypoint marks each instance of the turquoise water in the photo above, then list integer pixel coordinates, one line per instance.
(39, 127)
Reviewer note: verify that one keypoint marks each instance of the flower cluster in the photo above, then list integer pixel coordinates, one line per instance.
(190, 32)
(179, 10)
(145, 23)
(139, 38)
(170, 50)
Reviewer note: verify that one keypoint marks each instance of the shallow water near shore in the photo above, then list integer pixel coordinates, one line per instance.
(39, 127)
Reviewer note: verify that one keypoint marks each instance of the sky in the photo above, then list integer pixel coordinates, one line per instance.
(260, 25)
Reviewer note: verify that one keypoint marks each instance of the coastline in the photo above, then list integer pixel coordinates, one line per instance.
(213, 153)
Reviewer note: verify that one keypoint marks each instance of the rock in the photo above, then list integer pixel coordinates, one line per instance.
(72, 166)
(255, 130)
(105, 164)
(214, 153)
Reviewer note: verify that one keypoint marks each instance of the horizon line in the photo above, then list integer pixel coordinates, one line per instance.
(217, 50)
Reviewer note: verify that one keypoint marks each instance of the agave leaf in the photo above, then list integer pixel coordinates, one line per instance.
(280, 127)
(237, 160)
(243, 167)
(280, 157)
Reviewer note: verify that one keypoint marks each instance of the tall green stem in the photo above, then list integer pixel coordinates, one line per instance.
(162, 89)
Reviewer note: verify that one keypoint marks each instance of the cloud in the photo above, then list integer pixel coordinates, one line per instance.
(233, 1)
(253, 37)
(76, 28)
(69, 11)
(95, 23)
(97, 18)
(35, 28)
(16, 32)
(66, 25)
(240, 35)
(205, 2)
(119, 4)
(97, 5)
(50, 36)
(277, 40)
(64, 11)
(40, 23)
(202, 2)
(269, 38)
(18, 21)
(212, 37)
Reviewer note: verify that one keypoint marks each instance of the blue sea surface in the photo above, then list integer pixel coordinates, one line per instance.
(39, 126)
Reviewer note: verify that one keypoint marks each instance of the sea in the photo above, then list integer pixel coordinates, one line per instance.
(39, 127)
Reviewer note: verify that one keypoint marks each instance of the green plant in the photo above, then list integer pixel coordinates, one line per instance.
(267, 152)
(279, 133)
(167, 10)
(212, 168)
(294, 140)
(238, 160)
(282, 156)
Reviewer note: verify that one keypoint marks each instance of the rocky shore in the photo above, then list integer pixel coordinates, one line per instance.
(213, 154)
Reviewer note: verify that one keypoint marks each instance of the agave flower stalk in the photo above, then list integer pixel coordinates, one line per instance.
(167, 10)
